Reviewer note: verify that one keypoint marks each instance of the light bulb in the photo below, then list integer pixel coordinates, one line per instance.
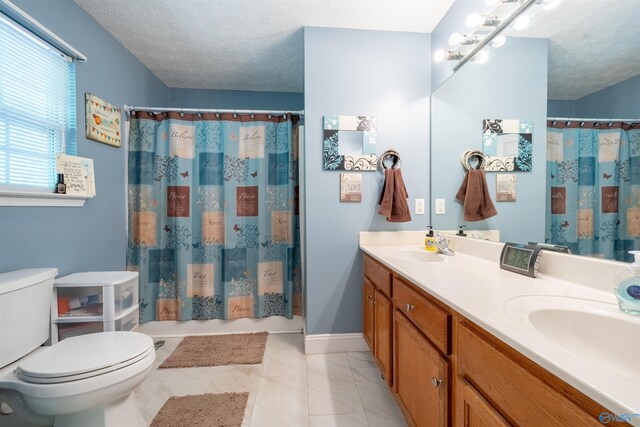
(439, 55)
(499, 41)
(481, 57)
(521, 22)
(474, 20)
(455, 39)
(491, 2)
(550, 4)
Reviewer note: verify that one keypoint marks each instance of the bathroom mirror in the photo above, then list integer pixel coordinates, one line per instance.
(588, 46)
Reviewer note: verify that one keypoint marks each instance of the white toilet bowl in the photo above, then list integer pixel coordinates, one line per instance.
(82, 381)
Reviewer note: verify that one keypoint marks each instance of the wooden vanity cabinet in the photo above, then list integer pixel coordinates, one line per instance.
(377, 311)
(449, 371)
(421, 330)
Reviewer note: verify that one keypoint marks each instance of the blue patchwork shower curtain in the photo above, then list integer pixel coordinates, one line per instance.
(213, 215)
(593, 187)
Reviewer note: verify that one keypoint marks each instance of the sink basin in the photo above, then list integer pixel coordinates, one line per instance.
(417, 255)
(591, 330)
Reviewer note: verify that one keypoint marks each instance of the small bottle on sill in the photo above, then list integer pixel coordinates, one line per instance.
(61, 187)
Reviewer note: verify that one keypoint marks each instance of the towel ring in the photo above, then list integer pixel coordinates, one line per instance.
(391, 153)
(473, 154)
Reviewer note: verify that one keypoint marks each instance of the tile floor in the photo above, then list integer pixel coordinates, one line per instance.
(287, 389)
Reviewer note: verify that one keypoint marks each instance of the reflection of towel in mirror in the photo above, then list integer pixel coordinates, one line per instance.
(474, 195)
(393, 199)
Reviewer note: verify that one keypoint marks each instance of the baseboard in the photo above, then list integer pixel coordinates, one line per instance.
(334, 343)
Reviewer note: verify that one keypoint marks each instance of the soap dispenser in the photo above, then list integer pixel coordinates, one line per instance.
(628, 290)
(430, 241)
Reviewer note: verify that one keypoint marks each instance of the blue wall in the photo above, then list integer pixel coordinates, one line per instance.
(235, 99)
(92, 237)
(561, 108)
(511, 85)
(355, 72)
(620, 101)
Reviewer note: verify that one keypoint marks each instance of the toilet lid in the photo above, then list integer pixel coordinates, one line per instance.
(85, 356)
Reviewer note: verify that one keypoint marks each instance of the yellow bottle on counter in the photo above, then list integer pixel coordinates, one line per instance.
(430, 241)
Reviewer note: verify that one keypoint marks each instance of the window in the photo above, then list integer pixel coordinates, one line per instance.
(37, 108)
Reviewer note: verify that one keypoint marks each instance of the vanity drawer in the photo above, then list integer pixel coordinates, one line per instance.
(432, 321)
(379, 276)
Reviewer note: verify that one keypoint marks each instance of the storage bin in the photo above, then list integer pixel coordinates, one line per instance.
(89, 302)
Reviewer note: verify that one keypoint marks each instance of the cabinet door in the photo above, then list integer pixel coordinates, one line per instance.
(420, 375)
(477, 412)
(367, 308)
(382, 332)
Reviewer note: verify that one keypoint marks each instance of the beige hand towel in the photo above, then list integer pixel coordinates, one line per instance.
(393, 198)
(474, 194)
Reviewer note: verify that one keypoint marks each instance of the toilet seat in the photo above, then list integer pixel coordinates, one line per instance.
(85, 356)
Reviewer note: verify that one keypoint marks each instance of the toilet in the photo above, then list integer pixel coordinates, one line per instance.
(85, 381)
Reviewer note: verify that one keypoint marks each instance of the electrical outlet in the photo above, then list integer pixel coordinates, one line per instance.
(439, 206)
(419, 206)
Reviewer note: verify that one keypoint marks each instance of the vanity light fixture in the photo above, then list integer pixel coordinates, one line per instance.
(499, 24)
(494, 2)
(521, 22)
(451, 55)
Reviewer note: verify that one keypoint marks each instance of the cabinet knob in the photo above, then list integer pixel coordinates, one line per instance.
(436, 382)
(409, 307)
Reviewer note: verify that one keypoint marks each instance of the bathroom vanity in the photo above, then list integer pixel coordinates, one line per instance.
(455, 339)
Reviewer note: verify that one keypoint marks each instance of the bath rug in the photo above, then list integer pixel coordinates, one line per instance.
(203, 410)
(216, 350)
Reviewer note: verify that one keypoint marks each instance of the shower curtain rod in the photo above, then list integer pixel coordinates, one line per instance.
(581, 119)
(129, 108)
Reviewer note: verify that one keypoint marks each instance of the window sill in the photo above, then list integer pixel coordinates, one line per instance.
(27, 198)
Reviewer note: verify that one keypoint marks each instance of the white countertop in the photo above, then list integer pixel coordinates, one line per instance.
(472, 283)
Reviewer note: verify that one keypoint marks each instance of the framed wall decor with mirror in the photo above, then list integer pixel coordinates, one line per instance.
(507, 145)
(349, 143)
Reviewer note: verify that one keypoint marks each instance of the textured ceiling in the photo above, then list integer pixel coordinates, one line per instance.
(593, 44)
(244, 44)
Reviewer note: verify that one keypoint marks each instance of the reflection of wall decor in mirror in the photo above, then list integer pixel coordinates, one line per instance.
(102, 121)
(349, 143)
(507, 145)
(506, 187)
(350, 187)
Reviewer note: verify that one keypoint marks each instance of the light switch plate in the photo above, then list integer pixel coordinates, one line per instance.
(439, 206)
(419, 206)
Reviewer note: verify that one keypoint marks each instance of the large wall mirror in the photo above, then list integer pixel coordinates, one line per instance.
(578, 66)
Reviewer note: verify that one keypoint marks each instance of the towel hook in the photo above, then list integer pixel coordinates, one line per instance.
(393, 154)
(473, 154)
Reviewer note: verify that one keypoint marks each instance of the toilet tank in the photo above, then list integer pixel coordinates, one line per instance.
(25, 304)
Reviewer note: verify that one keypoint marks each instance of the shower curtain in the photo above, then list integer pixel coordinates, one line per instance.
(213, 215)
(593, 187)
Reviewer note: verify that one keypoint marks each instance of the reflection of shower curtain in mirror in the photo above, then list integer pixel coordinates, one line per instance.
(593, 187)
(213, 215)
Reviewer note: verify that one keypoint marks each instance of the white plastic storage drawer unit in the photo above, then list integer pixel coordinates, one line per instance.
(93, 302)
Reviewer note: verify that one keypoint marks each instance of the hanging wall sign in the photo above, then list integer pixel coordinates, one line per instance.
(102, 121)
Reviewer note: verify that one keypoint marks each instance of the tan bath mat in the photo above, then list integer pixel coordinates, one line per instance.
(215, 350)
(202, 410)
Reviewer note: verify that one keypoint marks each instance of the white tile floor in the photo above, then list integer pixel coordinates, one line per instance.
(287, 389)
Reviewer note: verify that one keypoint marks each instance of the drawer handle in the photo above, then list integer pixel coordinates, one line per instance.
(436, 382)
(409, 307)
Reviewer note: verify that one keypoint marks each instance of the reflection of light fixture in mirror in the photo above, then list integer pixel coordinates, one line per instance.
(465, 40)
(499, 41)
(481, 57)
(440, 55)
(550, 4)
(476, 20)
(521, 23)
(504, 22)
(494, 2)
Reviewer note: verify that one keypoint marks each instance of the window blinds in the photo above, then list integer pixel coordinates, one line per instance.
(37, 108)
